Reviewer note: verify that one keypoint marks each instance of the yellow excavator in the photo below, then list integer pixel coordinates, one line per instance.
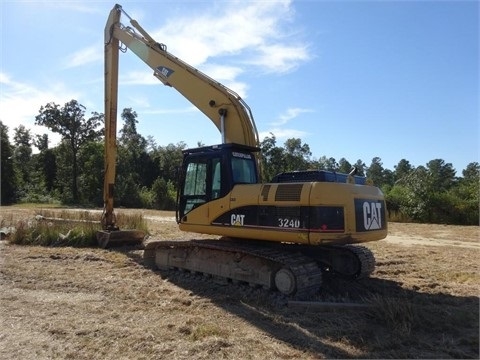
(281, 234)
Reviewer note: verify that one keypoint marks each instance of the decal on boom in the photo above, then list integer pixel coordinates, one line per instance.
(164, 71)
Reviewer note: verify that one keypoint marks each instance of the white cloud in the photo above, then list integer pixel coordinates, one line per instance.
(4, 79)
(290, 114)
(249, 33)
(138, 78)
(281, 134)
(283, 119)
(221, 72)
(227, 75)
(21, 102)
(84, 56)
(280, 58)
(244, 37)
(242, 34)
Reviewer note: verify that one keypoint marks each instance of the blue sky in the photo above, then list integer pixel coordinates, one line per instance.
(353, 79)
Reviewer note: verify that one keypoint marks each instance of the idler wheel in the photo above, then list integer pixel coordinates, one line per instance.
(285, 281)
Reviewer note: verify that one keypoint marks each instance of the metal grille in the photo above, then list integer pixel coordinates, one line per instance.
(288, 192)
(288, 212)
(265, 191)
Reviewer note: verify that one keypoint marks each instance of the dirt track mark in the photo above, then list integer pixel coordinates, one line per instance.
(416, 240)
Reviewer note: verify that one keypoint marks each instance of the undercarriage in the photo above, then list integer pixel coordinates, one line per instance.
(291, 269)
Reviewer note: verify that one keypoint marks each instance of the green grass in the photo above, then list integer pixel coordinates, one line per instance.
(67, 228)
(46, 233)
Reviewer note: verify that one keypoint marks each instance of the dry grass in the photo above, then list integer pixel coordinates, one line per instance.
(90, 303)
(61, 227)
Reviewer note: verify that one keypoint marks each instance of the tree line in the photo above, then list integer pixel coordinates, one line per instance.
(71, 173)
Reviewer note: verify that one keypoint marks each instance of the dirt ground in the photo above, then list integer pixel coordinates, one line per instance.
(69, 303)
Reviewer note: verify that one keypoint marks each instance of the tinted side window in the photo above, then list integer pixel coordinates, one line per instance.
(243, 170)
(195, 179)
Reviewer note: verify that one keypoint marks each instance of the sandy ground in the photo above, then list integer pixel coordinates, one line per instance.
(68, 303)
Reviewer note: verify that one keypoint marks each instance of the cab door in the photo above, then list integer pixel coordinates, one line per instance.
(203, 180)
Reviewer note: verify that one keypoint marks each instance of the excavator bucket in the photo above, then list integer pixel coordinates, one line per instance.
(117, 238)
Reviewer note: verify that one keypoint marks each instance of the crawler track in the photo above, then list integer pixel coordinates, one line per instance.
(293, 270)
(349, 261)
(365, 258)
(258, 264)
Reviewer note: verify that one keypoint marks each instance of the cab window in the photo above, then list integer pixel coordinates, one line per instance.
(216, 178)
(194, 190)
(243, 169)
(195, 179)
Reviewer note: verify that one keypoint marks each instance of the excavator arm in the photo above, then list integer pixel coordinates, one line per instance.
(230, 114)
(226, 109)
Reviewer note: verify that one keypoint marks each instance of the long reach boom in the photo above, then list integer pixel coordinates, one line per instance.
(225, 108)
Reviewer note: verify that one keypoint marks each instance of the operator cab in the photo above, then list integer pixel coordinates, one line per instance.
(210, 172)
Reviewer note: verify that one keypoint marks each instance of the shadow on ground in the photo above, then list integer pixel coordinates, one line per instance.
(399, 323)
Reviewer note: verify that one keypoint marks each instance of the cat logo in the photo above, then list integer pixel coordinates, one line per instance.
(237, 219)
(164, 71)
(372, 215)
